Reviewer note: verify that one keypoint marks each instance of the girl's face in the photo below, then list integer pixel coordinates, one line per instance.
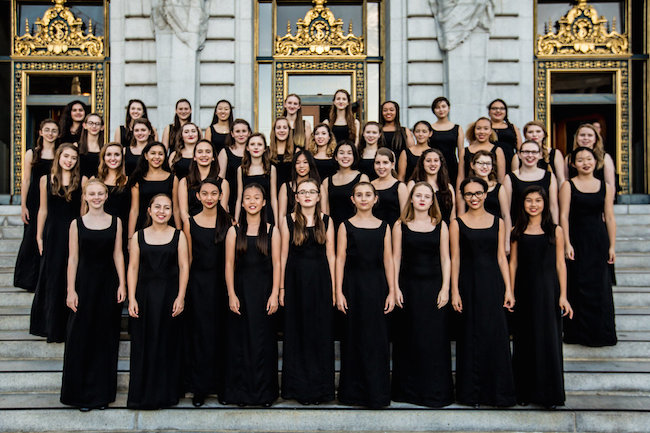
(68, 159)
(77, 113)
(483, 166)
(529, 154)
(498, 111)
(586, 137)
(253, 201)
(256, 147)
(482, 131)
(422, 133)
(292, 105)
(141, 132)
(341, 101)
(422, 198)
(223, 111)
(203, 154)
(383, 166)
(49, 132)
(441, 110)
(431, 163)
(190, 134)
(474, 195)
(585, 162)
(364, 198)
(240, 133)
(183, 110)
(113, 157)
(302, 166)
(136, 110)
(389, 111)
(345, 156)
(95, 196)
(371, 134)
(161, 210)
(307, 195)
(155, 156)
(535, 133)
(281, 130)
(208, 195)
(93, 125)
(321, 136)
(533, 204)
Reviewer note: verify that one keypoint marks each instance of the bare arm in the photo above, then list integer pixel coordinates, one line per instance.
(330, 250)
(273, 194)
(284, 254)
(461, 151)
(452, 191)
(445, 265)
(240, 193)
(183, 275)
(565, 207)
(223, 163)
(389, 270)
(72, 299)
(501, 165)
(397, 261)
(132, 275)
(208, 133)
(283, 202)
(357, 126)
(183, 203)
(560, 267)
(504, 205)
(610, 222)
(509, 298)
(188, 238)
(165, 137)
(325, 204)
(454, 243)
(401, 167)
(341, 254)
(409, 137)
(610, 174)
(177, 216)
(558, 164)
(513, 265)
(118, 137)
(225, 194)
(552, 198)
(402, 195)
(231, 240)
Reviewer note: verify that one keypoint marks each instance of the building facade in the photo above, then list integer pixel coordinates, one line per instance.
(562, 62)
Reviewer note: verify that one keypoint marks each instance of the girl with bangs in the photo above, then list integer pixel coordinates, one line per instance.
(172, 134)
(307, 295)
(432, 168)
(396, 136)
(90, 144)
(304, 167)
(341, 119)
(392, 194)
(281, 149)
(371, 140)
(300, 128)
(36, 164)
(60, 203)
(256, 168)
(322, 147)
(181, 157)
(253, 273)
(230, 158)
(421, 347)
(409, 157)
(143, 134)
(218, 133)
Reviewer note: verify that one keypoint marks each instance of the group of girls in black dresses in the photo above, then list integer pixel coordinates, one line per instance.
(208, 238)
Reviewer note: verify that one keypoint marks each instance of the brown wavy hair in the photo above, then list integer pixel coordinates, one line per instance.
(288, 147)
(102, 172)
(297, 134)
(546, 148)
(56, 174)
(246, 159)
(349, 116)
(408, 213)
(599, 147)
(181, 144)
(38, 148)
(83, 139)
(471, 134)
(146, 123)
(313, 148)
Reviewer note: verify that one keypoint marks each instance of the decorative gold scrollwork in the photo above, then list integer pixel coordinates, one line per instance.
(320, 33)
(582, 31)
(59, 33)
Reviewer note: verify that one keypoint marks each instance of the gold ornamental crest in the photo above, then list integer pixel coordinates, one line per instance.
(59, 33)
(582, 31)
(320, 33)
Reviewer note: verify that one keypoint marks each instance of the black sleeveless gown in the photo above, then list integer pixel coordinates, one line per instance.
(411, 163)
(156, 337)
(182, 167)
(148, 189)
(507, 141)
(265, 181)
(518, 188)
(233, 164)
(421, 349)
(589, 288)
(251, 365)
(282, 171)
(387, 207)
(447, 143)
(28, 259)
(93, 335)
(341, 207)
(445, 208)
(367, 167)
(483, 362)
(49, 315)
(119, 204)
(325, 167)
(207, 306)
(537, 332)
(218, 140)
(341, 132)
(469, 155)
(89, 164)
(365, 354)
(491, 203)
(389, 139)
(308, 349)
(130, 160)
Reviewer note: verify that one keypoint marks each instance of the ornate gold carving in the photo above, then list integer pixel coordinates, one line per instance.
(582, 31)
(59, 33)
(319, 34)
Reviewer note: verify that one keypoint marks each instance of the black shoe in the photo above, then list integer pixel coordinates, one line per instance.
(102, 407)
(84, 409)
(476, 405)
(523, 403)
(267, 404)
(198, 400)
(551, 407)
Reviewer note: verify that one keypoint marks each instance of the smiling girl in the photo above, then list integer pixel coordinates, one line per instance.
(172, 136)
(300, 128)
(304, 167)
(392, 194)
(408, 159)
(143, 134)
(322, 147)
(218, 133)
(90, 144)
(431, 168)
(230, 158)
(481, 136)
(371, 140)
(341, 119)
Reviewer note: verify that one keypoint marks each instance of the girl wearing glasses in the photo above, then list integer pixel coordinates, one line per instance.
(308, 260)
(90, 144)
(431, 168)
(391, 192)
(480, 291)
(508, 136)
(303, 168)
(421, 349)
(529, 174)
(551, 157)
(365, 293)
(481, 136)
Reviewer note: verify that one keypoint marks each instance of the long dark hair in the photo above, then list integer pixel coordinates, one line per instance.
(194, 176)
(297, 134)
(56, 174)
(442, 178)
(175, 131)
(505, 119)
(142, 166)
(215, 118)
(66, 118)
(38, 148)
(355, 154)
(145, 122)
(128, 119)
(548, 227)
(313, 171)
(381, 142)
(349, 116)
(224, 220)
(262, 242)
(230, 141)
(83, 139)
(399, 139)
(178, 155)
(148, 220)
(247, 159)
(102, 171)
(300, 233)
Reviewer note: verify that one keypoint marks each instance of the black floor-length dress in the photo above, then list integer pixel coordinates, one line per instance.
(28, 259)
(447, 143)
(537, 331)
(325, 167)
(519, 187)
(89, 164)
(263, 180)
(206, 309)
(365, 354)
(308, 349)
(49, 315)
(421, 348)
(232, 164)
(589, 288)
(483, 362)
(148, 189)
(251, 372)
(341, 207)
(156, 337)
(93, 335)
(118, 204)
